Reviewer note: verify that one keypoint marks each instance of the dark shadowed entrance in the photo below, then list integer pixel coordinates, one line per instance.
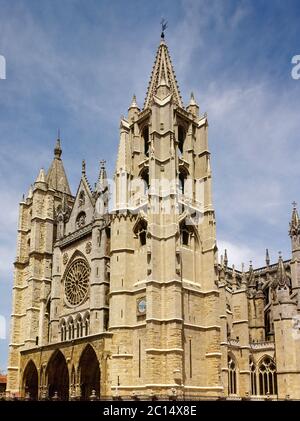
(30, 381)
(89, 373)
(58, 376)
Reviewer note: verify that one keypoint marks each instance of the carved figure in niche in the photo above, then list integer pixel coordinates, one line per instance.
(80, 222)
(81, 200)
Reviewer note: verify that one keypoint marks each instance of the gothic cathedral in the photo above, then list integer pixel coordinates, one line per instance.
(126, 297)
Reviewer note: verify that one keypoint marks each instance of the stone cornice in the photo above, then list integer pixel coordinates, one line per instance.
(74, 236)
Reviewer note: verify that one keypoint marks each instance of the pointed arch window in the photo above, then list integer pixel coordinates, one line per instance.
(267, 377)
(181, 139)
(232, 386)
(145, 137)
(145, 178)
(182, 180)
(185, 234)
(269, 325)
(141, 232)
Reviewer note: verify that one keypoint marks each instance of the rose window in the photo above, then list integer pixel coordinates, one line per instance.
(76, 282)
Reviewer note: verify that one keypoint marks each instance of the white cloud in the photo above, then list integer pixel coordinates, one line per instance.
(241, 253)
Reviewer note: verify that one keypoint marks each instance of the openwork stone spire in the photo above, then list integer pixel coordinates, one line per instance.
(56, 176)
(163, 75)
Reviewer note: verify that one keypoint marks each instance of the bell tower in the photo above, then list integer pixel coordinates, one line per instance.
(163, 293)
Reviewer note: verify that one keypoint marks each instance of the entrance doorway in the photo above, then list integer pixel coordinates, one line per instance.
(89, 373)
(30, 381)
(58, 377)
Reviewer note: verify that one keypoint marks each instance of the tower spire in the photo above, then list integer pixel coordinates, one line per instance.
(163, 75)
(56, 175)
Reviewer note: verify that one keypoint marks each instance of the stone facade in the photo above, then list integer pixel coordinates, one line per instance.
(132, 301)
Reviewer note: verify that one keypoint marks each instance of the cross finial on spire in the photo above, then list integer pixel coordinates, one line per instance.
(102, 163)
(83, 167)
(294, 204)
(164, 25)
(280, 254)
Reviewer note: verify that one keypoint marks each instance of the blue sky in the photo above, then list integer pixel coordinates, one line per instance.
(76, 64)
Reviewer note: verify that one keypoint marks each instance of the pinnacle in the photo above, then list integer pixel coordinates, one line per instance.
(41, 178)
(192, 99)
(133, 103)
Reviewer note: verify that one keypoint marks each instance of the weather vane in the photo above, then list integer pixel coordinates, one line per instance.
(164, 25)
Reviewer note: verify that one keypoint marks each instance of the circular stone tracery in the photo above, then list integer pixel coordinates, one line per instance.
(76, 282)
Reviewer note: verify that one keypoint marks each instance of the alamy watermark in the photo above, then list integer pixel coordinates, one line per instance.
(2, 67)
(161, 197)
(295, 73)
(2, 327)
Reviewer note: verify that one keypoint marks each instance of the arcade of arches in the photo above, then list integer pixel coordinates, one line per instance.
(263, 376)
(56, 380)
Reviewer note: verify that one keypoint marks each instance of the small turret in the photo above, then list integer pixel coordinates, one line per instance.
(133, 110)
(193, 107)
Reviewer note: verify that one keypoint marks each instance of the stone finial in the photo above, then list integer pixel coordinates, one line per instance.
(133, 103)
(192, 100)
(267, 258)
(41, 178)
(225, 258)
(30, 193)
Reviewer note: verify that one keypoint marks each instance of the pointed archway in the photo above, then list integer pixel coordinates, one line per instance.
(30, 381)
(58, 376)
(89, 373)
